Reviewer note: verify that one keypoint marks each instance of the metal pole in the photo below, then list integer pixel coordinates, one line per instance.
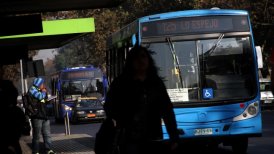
(22, 77)
(26, 85)
(65, 119)
(24, 90)
(30, 127)
(68, 124)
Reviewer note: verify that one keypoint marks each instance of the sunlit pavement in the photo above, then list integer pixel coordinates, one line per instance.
(81, 141)
(67, 144)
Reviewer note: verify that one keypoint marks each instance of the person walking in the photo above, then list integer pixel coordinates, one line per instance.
(40, 121)
(137, 102)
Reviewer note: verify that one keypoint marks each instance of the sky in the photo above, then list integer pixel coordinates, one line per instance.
(45, 54)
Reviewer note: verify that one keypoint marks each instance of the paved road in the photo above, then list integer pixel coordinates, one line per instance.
(81, 140)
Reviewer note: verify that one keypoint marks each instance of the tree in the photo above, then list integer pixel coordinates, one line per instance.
(107, 21)
(49, 66)
(12, 72)
(91, 48)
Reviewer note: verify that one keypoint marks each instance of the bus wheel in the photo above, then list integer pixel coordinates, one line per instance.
(240, 145)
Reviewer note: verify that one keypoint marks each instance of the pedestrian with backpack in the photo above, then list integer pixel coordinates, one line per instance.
(40, 121)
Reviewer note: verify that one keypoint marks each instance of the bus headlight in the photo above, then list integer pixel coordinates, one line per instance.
(251, 111)
(67, 108)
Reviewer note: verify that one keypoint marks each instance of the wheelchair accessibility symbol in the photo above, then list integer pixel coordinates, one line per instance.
(208, 93)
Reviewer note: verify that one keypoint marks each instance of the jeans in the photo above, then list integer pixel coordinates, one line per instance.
(40, 126)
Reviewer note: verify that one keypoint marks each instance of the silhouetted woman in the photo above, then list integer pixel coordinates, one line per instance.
(137, 101)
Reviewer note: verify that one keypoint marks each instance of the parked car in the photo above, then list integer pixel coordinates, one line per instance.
(88, 110)
(267, 98)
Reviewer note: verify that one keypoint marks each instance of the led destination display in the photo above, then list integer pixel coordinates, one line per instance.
(186, 25)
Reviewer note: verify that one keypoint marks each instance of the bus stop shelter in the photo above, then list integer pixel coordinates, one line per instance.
(55, 33)
(22, 28)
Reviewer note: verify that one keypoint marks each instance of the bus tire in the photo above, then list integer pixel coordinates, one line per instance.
(240, 145)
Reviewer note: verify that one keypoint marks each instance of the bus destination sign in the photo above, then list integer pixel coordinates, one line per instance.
(195, 25)
(83, 74)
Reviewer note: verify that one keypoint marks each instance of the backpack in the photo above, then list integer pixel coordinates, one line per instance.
(30, 105)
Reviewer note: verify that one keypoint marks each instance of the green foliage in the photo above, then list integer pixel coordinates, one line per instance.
(60, 61)
(73, 54)
(12, 72)
(91, 49)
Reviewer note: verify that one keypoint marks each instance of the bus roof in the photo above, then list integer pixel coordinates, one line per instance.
(193, 13)
(132, 28)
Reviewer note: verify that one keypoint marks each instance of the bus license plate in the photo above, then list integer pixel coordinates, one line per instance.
(205, 131)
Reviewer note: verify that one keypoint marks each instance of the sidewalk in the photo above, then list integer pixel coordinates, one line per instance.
(64, 144)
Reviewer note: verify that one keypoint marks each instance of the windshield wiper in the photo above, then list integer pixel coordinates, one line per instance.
(175, 59)
(215, 45)
(206, 54)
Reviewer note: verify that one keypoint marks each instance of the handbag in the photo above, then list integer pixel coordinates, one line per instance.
(108, 138)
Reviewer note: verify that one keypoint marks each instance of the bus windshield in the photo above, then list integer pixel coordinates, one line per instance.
(226, 67)
(88, 87)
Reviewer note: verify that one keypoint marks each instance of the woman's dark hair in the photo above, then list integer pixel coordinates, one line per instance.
(133, 54)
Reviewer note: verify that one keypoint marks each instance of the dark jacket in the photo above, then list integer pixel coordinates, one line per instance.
(13, 118)
(12, 128)
(39, 100)
(139, 106)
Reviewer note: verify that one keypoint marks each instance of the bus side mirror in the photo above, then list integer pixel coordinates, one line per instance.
(259, 57)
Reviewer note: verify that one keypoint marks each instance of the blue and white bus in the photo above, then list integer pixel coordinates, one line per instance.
(209, 62)
(81, 92)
